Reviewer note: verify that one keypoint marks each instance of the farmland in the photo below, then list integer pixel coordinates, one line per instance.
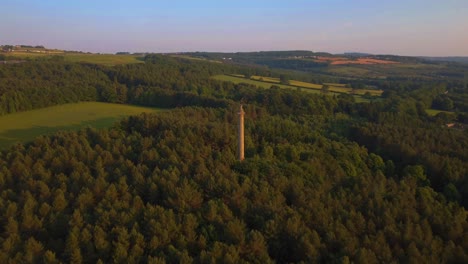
(25, 126)
(261, 84)
(103, 59)
(266, 82)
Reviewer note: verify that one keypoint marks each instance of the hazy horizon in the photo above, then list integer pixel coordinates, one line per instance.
(412, 28)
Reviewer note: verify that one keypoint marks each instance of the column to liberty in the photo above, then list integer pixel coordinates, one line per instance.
(241, 134)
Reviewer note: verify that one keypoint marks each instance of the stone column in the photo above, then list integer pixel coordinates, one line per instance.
(241, 134)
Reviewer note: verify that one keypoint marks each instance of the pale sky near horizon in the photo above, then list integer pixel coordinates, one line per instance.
(402, 27)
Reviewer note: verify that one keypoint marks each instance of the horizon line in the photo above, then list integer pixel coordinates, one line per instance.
(244, 51)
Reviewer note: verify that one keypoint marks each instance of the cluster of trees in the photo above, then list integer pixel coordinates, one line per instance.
(32, 85)
(441, 152)
(167, 188)
(38, 84)
(399, 129)
(459, 97)
(442, 102)
(161, 82)
(292, 64)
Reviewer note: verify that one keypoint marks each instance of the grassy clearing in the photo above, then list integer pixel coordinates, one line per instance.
(25, 126)
(360, 99)
(306, 84)
(237, 75)
(265, 79)
(434, 112)
(372, 92)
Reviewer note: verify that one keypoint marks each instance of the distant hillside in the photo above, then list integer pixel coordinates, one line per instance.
(447, 59)
(301, 59)
(355, 54)
(28, 49)
(248, 56)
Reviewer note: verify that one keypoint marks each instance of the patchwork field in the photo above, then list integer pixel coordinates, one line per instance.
(266, 82)
(266, 85)
(25, 126)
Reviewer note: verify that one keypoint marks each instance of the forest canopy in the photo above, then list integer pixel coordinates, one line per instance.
(168, 187)
(326, 179)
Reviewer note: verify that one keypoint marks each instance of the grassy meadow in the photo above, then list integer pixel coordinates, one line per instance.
(25, 126)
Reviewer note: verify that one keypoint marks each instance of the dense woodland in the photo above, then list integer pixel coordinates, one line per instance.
(325, 180)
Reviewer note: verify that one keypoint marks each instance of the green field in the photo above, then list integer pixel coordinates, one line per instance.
(334, 87)
(25, 126)
(434, 112)
(335, 84)
(264, 79)
(237, 75)
(266, 85)
(308, 85)
(193, 58)
(267, 82)
(104, 59)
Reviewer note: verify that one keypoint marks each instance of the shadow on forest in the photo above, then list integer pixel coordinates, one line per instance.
(10, 137)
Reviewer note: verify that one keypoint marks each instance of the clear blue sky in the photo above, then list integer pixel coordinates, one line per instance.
(405, 27)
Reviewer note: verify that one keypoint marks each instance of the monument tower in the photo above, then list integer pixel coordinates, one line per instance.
(241, 134)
